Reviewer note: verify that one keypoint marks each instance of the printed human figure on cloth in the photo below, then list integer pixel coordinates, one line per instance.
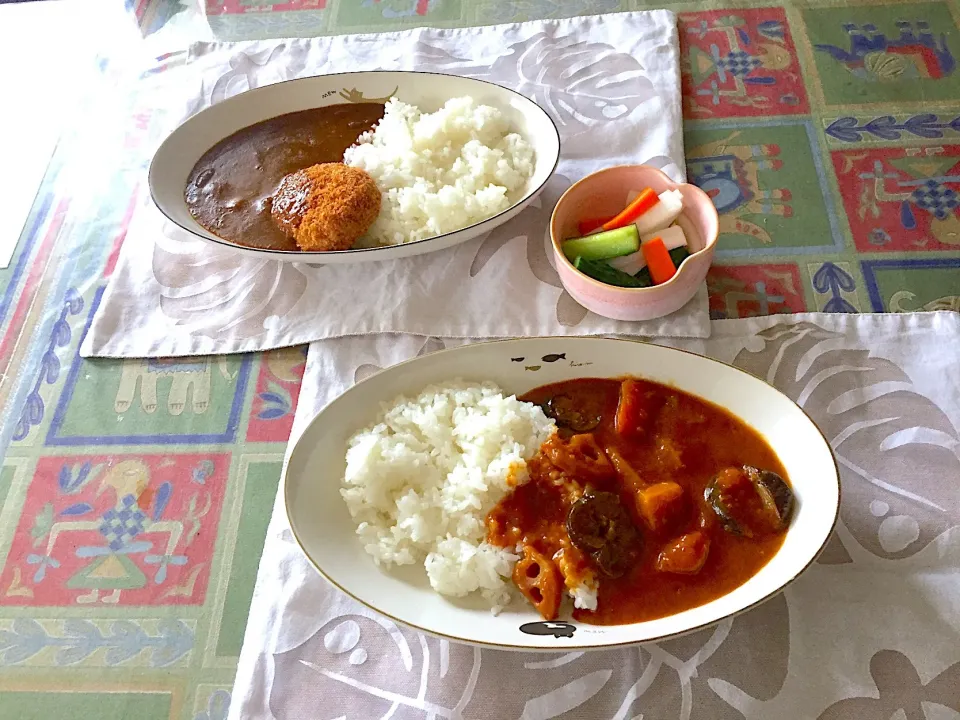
(122, 527)
(121, 530)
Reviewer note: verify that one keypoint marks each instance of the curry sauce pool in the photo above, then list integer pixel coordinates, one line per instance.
(651, 495)
(230, 189)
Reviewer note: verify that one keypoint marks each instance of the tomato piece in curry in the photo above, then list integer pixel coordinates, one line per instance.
(656, 498)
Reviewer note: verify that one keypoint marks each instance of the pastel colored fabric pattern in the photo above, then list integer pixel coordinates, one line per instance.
(135, 496)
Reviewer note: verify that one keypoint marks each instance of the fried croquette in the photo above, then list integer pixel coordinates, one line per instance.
(326, 207)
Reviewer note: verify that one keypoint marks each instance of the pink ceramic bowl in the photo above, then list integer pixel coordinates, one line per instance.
(603, 193)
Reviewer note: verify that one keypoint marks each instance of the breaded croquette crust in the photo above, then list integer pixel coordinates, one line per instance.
(326, 207)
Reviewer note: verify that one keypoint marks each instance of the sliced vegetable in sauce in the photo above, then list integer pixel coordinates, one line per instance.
(599, 526)
(665, 503)
(581, 456)
(570, 415)
(749, 501)
(686, 555)
(536, 577)
(637, 407)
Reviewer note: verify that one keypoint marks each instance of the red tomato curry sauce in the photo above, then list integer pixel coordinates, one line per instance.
(660, 499)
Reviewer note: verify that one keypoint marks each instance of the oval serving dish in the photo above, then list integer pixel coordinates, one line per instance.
(178, 154)
(326, 532)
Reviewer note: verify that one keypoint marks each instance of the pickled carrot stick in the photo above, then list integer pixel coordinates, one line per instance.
(643, 202)
(658, 261)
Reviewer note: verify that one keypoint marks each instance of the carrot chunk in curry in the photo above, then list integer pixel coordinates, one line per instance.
(662, 505)
(647, 498)
(686, 555)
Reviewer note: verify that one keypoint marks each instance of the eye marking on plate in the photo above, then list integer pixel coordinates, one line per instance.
(549, 627)
(519, 359)
(553, 357)
(532, 368)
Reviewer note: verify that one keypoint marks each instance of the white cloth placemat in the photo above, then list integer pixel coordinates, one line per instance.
(612, 85)
(876, 614)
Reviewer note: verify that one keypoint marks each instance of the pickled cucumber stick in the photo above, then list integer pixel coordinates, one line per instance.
(661, 215)
(599, 270)
(604, 245)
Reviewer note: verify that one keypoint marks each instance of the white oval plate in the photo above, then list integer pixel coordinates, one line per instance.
(178, 154)
(326, 533)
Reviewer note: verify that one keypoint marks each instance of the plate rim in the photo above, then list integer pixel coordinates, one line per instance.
(309, 255)
(285, 483)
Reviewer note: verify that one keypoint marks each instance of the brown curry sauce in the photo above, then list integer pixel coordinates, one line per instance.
(687, 442)
(229, 191)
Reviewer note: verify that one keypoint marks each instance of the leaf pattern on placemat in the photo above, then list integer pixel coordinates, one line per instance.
(217, 292)
(365, 370)
(253, 70)
(580, 84)
(901, 693)
(247, 71)
(533, 225)
(898, 452)
(373, 667)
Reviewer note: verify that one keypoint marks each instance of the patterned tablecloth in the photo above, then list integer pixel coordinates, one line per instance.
(134, 496)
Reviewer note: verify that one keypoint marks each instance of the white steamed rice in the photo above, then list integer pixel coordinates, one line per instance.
(440, 171)
(420, 482)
